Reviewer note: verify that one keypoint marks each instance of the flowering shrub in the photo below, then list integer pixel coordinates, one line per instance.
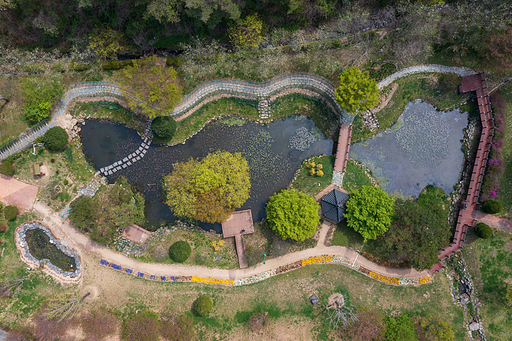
(495, 164)
(255, 278)
(385, 279)
(209, 280)
(318, 259)
(425, 279)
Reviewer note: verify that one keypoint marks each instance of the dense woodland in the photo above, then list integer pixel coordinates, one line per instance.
(461, 27)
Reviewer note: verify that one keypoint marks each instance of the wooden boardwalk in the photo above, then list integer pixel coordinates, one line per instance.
(340, 163)
(467, 213)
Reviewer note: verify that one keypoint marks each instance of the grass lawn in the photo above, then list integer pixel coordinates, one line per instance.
(312, 184)
(490, 263)
(69, 166)
(346, 236)
(505, 193)
(355, 177)
(425, 86)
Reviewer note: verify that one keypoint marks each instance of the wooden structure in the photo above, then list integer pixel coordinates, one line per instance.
(239, 224)
(136, 234)
(333, 205)
(469, 207)
(340, 163)
(38, 170)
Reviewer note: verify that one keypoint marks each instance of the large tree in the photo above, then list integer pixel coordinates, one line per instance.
(369, 211)
(106, 42)
(292, 214)
(357, 91)
(210, 189)
(368, 326)
(151, 87)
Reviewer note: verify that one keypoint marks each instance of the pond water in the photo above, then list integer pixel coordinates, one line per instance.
(41, 248)
(423, 147)
(273, 151)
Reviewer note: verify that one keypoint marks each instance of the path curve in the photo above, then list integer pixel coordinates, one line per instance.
(63, 229)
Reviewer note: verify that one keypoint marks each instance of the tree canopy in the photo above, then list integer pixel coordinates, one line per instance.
(369, 211)
(402, 328)
(106, 42)
(39, 96)
(56, 139)
(357, 91)
(293, 214)
(151, 87)
(248, 32)
(210, 189)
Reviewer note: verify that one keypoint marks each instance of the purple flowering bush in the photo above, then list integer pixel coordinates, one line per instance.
(495, 164)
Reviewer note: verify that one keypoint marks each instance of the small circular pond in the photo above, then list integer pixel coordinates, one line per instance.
(273, 151)
(422, 148)
(39, 246)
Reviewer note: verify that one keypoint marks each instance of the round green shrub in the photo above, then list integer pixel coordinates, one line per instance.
(491, 206)
(483, 231)
(163, 127)
(174, 61)
(180, 251)
(10, 212)
(203, 305)
(7, 168)
(66, 182)
(55, 139)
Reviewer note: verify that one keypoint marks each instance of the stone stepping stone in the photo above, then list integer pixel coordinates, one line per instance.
(110, 172)
(138, 158)
(124, 166)
(138, 151)
(118, 168)
(130, 156)
(147, 146)
(125, 159)
(129, 163)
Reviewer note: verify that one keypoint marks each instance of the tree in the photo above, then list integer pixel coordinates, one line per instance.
(203, 305)
(483, 231)
(369, 325)
(106, 42)
(435, 329)
(39, 96)
(11, 212)
(401, 328)
(208, 190)
(259, 321)
(163, 127)
(491, 206)
(49, 329)
(143, 326)
(180, 251)
(99, 323)
(248, 32)
(56, 139)
(177, 327)
(501, 49)
(357, 91)
(293, 214)
(369, 211)
(151, 87)
(64, 308)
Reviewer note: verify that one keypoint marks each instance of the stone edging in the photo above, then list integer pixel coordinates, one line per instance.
(324, 259)
(48, 268)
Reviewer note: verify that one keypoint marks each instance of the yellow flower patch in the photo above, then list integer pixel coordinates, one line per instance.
(382, 278)
(318, 259)
(425, 279)
(209, 280)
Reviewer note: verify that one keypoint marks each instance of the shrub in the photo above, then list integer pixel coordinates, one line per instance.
(312, 172)
(180, 251)
(319, 173)
(78, 66)
(66, 182)
(203, 305)
(163, 127)
(401, 328)
(177, 327)
(491, 206)
(97, 324)
(11, 212)
(55, 139)
(319, 166)
(483, 231)
(174, 61)
(7, 168)
(39, 95)
(142, 327)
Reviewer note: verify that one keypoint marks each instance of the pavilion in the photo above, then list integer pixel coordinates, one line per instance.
(333, 205)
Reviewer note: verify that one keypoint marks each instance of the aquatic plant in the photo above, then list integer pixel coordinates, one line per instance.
(302, 139)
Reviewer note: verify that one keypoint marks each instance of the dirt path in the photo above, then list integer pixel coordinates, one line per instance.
(86, 247)
(493, 221)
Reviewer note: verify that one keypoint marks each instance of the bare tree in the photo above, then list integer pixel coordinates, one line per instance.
(9, 289)
(63, 308)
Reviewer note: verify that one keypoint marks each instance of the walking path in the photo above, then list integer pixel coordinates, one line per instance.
(491, 220)
(62, 229)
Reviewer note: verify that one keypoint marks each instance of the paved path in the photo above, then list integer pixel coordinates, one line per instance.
(62, 229)
(491, 220)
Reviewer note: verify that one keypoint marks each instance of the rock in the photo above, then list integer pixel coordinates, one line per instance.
(474, 326)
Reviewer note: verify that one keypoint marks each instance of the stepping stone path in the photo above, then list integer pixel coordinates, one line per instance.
(133, 157)
(264, 108)
(370, 120)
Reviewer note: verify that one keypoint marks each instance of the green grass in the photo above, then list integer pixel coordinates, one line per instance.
(505, 193)
(346, 236)
(355, 177)
(490, 263)
(312, 184)
(419, 86)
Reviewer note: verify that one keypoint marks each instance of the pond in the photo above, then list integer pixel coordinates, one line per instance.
(423, 147)
(273, 151)
(41, 248)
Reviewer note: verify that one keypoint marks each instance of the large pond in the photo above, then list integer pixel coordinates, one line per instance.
(423, 147)
(273, 151)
